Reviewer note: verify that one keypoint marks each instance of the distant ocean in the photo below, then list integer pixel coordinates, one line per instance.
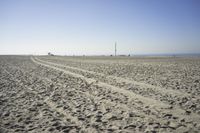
(171, 54)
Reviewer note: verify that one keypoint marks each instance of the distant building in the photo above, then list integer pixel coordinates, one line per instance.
(50, 54)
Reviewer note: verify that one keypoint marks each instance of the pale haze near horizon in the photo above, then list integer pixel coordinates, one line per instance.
(91, 27)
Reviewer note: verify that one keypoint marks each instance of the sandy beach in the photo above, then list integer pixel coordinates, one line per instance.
(99, 94)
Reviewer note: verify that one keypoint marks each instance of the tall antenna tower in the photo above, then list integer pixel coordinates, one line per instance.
(115, 49)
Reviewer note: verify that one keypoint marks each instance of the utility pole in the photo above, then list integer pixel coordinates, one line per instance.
(115, 49)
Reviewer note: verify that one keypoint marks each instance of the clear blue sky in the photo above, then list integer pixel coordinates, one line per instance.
(93, 26)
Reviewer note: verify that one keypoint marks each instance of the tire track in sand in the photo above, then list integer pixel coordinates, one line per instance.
(121, 80)
(168, 96)
(132, 95)
(153, 104)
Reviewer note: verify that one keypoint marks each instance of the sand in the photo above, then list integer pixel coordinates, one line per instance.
(99, 94)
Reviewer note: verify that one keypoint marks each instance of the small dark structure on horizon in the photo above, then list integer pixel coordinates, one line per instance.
(50, 54)
(115, 49)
